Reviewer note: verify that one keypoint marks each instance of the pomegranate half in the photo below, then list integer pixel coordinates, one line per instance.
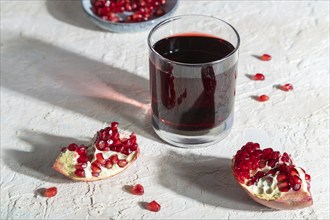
(107, 156)
(271, 178)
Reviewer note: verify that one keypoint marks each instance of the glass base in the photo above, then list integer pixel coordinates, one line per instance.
(192, 139)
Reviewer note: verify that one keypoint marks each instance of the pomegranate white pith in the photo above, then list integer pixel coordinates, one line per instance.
(270, 178)
(107, 156)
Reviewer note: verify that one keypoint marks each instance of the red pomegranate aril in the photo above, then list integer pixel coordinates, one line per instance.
(114, 124)
(101, 145)
(122, 163)
(293, 172)
(283, 185)
(100, 158)
(63, 149)
(259, 76)
(79, 172)
(286, 87)
(95, 168)
(137, 189)
(81, 150)
(81, 166)
(120, 148)
(72, 147)
(153, 206)
(82, 159)
(114, 159)
(266, 153)
(275, 155)
(95, 174)
(159, 12)
(307, 177)
(263, 98)
(126, 152)
(108, 164)
(272, 162)
(262, 164)
(296, 187)
(265, 57)
(281, 177)
(259, 174)
(296, 180)
(49, 192)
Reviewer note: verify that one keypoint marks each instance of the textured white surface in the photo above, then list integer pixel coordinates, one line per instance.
(58, 77)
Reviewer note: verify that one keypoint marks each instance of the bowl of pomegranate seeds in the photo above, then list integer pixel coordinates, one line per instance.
(128, 15)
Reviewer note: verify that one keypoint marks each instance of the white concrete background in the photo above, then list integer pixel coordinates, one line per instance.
(58, 76)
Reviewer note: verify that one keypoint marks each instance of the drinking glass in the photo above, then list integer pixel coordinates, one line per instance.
(193, 68)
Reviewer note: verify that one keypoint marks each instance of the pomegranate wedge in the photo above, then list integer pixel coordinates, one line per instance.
(107, 156)
(271, 178)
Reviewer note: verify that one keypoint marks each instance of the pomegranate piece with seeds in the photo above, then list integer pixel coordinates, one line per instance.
(49, 192)
(108, 155)
(265, 57)
(153, 206)
(271, 178)
(137, 189)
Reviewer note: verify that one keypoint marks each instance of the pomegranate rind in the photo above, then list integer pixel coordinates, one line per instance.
(64, 165)
(289, 201)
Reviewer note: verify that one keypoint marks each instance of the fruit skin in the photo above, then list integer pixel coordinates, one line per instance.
(285, 200)
(66, 162)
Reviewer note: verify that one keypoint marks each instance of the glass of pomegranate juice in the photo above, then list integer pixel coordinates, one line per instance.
(193, 68)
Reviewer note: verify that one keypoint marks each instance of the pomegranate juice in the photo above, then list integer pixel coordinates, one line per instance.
(187, 97)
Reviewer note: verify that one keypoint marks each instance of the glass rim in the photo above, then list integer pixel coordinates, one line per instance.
(192, 15)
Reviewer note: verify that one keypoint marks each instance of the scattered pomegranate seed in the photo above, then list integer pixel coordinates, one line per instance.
(263, 98)
(153, 206)
(50, 192)
(286, 87)
(137, 189)
(265, 57)
(259, 76)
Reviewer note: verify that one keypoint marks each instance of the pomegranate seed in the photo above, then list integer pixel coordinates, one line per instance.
(307, 177)
(262, 164)
(283, 186)
(114, 159)
(266, 153)
(72, 147)
(81, 150)
(281, 177)
(95, 174)
(153, 206)
(101, 145)
(108, 164)
(137, 189)
(259, 76)
(80, 166)
(294, 172)
(263, 98)
(79, 173)
(120, 148)
(114, 124)
(259, 174)
(159, 12)
(296, 187)
(100, 158)
(296, 180)
(82, 159)
(122, 163)
(50, 192)
(286, 87)
(63, 149)
(95, 168)
(265, 57)
(271, 162)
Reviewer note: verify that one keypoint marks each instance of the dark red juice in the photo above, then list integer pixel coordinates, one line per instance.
(187, 96)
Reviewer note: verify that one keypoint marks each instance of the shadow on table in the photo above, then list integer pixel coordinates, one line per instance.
(208, 180)
(38, 161)
(70, 12)
(76, 83)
